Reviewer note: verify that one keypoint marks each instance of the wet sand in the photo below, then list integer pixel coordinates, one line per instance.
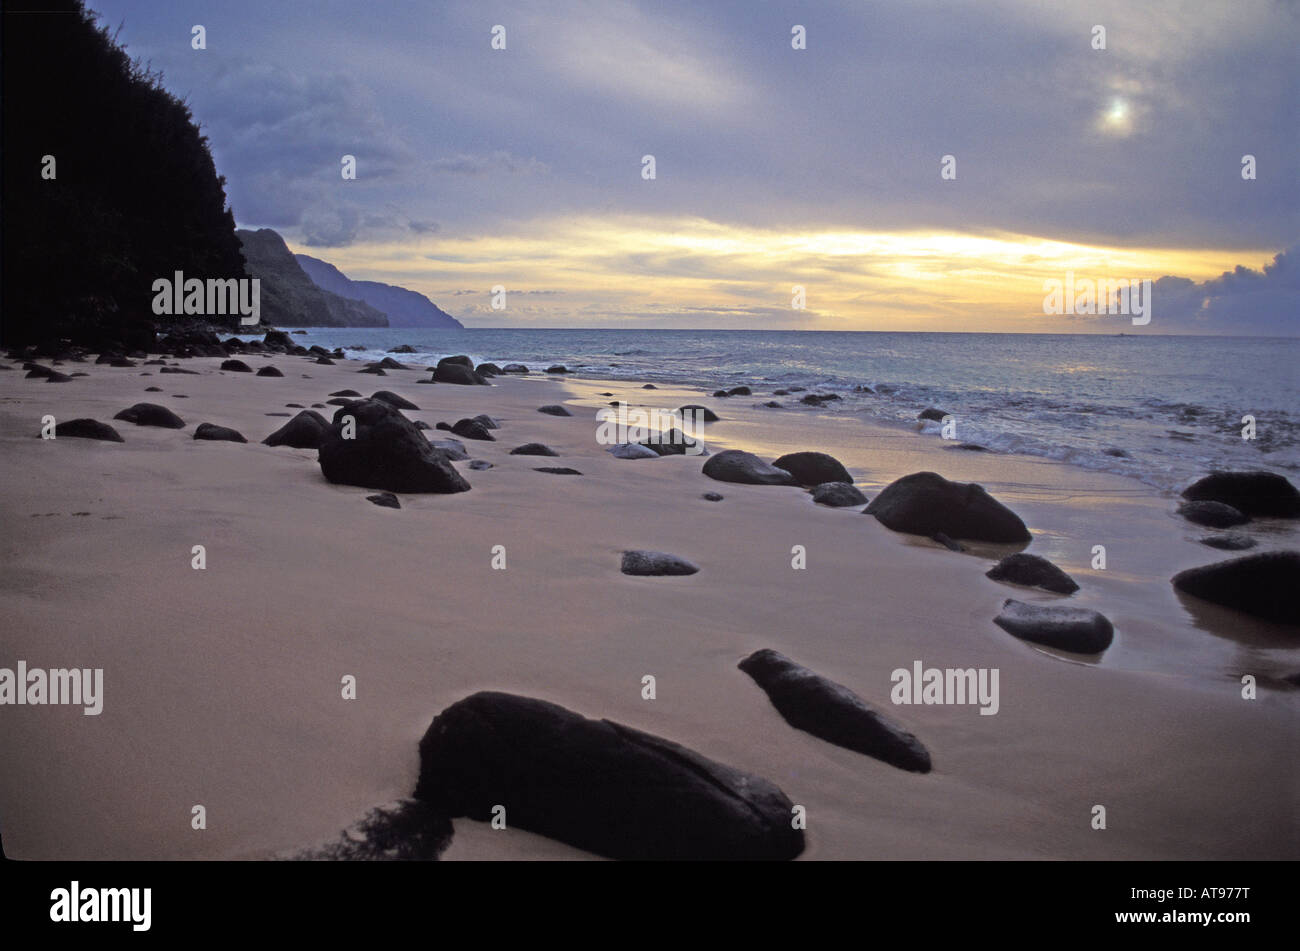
(222, 686)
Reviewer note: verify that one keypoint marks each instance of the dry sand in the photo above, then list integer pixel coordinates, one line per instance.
(222, 686)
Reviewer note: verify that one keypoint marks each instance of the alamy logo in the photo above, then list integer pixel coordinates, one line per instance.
(81, 687)
(949, 685)
(626, 425)
(103, 904)
(1088, 297)
(209, 298)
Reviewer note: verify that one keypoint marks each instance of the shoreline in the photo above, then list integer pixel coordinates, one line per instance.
(1098, 404)
(221, 685)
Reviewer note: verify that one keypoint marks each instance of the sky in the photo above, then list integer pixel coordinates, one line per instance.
(774, 168)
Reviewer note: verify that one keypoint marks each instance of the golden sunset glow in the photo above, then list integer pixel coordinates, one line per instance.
(607, 271)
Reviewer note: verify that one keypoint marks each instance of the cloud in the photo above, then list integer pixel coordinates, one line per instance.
(499, 162)
(1241, 301)
(279, 136)
(330, 226)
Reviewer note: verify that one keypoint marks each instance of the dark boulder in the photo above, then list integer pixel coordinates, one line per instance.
(385, 500)
(833, 712)
(340, 401)
(269, 371)
(1266, 585)
(712, 496)
(1229, 541)
(598, 785)
(472, 429)
(1032, 571)
(699, 412)
(1251, 493)
(153, 389)
(674, 442)
(387, 452)
(656, 563)
(304, 431)
(1079, 630)
(392, 399)
(557, 368)
(236, 366)
(487, 369)
(88, 429)
(1212, 514)
(374, 371)
(740, 391)
(480, 464)
(933, 414)
(457, 374)
(487, 421)
(151, 414)
(557, 470)
(277, 338)
(458, 361)
(838, 494)
(924, 503)
(218, 433)
(37, 372)
(345, 393)
(813, 468)
(554, 410)
(514, 368)
(178, 370)
(733, 465)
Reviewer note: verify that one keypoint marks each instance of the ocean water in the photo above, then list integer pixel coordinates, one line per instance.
(1158, 408)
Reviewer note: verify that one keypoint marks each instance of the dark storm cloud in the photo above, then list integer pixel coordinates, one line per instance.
(1241, 301)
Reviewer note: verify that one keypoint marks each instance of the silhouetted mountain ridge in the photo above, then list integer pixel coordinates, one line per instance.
(405, 308)
(289, 297)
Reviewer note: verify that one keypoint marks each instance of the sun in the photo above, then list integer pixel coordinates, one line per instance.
(1117, 118)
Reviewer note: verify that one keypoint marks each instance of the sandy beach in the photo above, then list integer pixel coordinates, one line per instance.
(222, 686)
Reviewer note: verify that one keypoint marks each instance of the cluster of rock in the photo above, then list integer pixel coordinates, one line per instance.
(1262, 585)
(925, 503)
